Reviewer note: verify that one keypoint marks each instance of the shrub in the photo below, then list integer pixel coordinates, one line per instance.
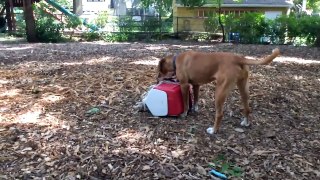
(151, 24)
(116, 37)
(211, 24)
(251, 26)
(102, 19)
(48, 29)
(91, 36)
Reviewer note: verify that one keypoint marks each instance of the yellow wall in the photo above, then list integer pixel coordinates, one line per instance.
(185, 19)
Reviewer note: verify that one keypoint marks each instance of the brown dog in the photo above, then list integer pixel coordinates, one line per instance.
(198, 68)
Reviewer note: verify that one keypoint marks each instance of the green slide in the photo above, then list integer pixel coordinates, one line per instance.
(68, 13)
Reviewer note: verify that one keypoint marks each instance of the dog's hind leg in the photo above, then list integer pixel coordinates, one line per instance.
(195, 107)
(222, 90)
(243, 87)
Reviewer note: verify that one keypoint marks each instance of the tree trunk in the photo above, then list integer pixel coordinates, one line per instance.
(221, 25)
(30, 22)
(77, 7)
(8, 17)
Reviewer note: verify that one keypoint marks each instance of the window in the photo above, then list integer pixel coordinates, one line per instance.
(204, 13)
(200, 13)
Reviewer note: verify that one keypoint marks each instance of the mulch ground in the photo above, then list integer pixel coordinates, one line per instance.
(46, 91)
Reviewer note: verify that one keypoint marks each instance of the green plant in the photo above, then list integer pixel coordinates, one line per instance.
(102, 19)
(48, 29)
(151, 24)
(116, 37)
(224, 166)
(251, 26)
(92, 36)
(211, 24)
(72, 22)
(127, 24)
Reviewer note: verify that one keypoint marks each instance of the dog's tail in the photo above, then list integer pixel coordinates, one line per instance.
(267, 60)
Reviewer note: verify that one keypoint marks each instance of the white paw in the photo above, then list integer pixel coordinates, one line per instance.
(195, 108)
(210, 130)
(245, 122)
(231, 113)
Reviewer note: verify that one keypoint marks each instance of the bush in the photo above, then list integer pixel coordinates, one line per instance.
(151, 24)
(91, 36)
(211, 24)
(49, 30)
(251, 26)
(101, 20)
(117, 37)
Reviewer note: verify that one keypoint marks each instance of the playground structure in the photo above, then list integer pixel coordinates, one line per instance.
(9, 18)
(7, 15)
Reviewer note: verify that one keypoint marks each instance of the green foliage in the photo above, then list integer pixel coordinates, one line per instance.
(226, 167)
(163, 7)
(91, 36)
(72, 22)
(211, 24)
(285, 29)
(127, 24)
(65, 3)
(311, 4)
(251, 26)
(102, 19)
(117, 37)
(294, 29)
(151, 24)
(193, 3)
(48, 29)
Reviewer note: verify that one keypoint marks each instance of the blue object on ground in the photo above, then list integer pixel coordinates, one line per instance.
(218, 174)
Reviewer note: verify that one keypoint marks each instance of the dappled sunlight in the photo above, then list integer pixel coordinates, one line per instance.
(34, 115)
(3, 81)
(130, 136)
(31, 116)
(10, 93)
(159, 147)
(52, 98)
(99, 60)
(298, 77)
(17, 48)
(151, 61)
(156, 48)
(296, 60)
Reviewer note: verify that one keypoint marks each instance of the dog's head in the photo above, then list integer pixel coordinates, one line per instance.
(165, 68)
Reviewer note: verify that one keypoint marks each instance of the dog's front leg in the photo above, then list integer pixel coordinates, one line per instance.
(185, 98)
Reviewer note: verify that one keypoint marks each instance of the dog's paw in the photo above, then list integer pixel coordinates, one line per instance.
(231, 114)
(210, 130)
(183, 115)
(195, 108)
(245, 122)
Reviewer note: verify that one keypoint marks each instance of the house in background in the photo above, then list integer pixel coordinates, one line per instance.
(192, 19)
(116, 7)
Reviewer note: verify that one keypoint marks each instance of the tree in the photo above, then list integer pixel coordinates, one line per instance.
(30, 21)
